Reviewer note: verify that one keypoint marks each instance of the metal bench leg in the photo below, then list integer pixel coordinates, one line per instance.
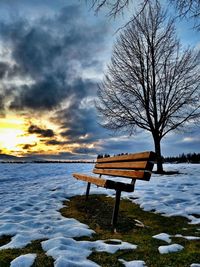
(116, 208)
(87, 191)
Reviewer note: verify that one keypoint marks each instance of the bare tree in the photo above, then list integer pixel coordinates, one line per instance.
(188, 9)
(185, 8)
(115, 7)
(151, 82)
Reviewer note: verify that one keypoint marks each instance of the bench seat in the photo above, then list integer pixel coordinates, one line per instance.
(137, 166)
(106, 183)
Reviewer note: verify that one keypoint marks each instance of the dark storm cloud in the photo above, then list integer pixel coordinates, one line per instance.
(42, 95)
(80, 124)
(85, 150)
(28, 146)
(3, 69)
(1, 104)
(51, 53)
(182, 142)
(61, 156)
(78, 121)
(6, 70)
(128, 144)
(54, 142)
(34, 129)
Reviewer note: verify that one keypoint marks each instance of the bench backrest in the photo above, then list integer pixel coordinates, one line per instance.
(133, 166)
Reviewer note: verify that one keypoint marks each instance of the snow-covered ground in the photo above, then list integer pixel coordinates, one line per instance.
(32, 194)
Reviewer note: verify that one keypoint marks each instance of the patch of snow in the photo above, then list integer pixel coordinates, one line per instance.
(172, 195)
(75, 252)
(26, 260)
(135, 263)
(170, 248)
(163, 236)
(188, 237)
(195, 265)
(62, 262)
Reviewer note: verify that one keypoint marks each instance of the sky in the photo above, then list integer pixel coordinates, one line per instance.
(53, 55)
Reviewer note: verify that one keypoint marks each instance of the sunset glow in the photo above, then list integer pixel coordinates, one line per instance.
(13, 135)
(22, 137)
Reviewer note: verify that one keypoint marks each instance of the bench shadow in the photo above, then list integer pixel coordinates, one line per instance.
(97, 212)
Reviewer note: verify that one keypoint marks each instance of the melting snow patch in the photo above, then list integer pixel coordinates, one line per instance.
(170, 248)
(73, 253)
(23, 261)
(163, 236)
(21, 240)
(62, 262)
(172, 195)
(188, 237)
(133, 263)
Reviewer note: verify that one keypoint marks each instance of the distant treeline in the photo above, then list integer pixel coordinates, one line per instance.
(189, 158)
(182, 158)
(100, 156)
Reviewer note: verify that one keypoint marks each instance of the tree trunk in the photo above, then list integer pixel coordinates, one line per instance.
(158, 154)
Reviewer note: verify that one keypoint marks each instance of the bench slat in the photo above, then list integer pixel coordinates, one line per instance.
(105, 183)
(90, 179)
(148, 155)
(140, 165)
(124, 173)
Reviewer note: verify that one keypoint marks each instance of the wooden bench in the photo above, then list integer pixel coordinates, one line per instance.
(132, 166)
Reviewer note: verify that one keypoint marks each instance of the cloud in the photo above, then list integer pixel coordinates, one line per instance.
(60, 156)
(55, 142)
(43, 95)
(1, 105)
(3, 69)
(85, 150)
(187, 141)
(126, 144)
(28, 146)
(34, 129)
(78, 119)
(52, 53)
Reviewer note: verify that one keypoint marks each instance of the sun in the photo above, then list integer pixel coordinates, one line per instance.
(13, 135)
